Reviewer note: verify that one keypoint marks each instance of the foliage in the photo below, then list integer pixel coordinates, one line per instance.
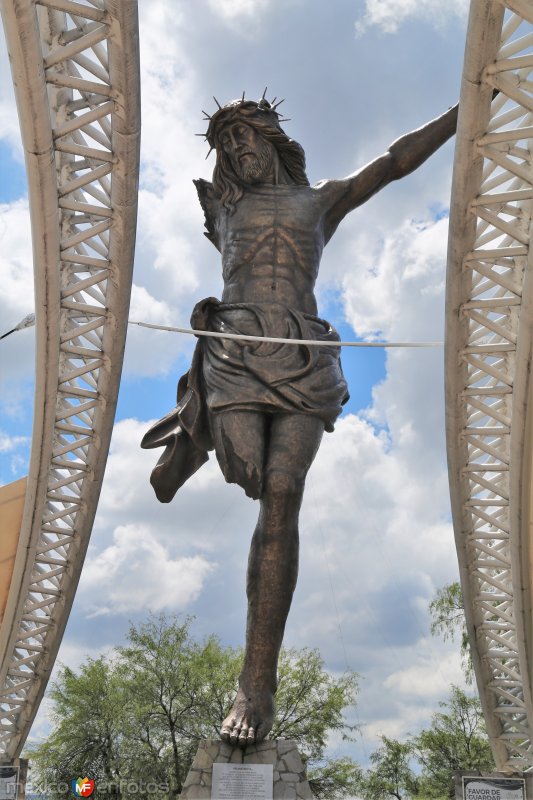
(456, 740)
(177, 692)
(87, 737)
(391, 774)
(334, 778)
(448, 620)
(310, 709)
(137, 716)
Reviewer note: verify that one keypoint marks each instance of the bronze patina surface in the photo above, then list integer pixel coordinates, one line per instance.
(262, 406)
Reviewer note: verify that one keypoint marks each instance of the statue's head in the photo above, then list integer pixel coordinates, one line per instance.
(251, 147)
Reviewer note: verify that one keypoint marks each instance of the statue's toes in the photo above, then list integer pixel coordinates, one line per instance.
(243, 735)
(226, 730)
(235, 733)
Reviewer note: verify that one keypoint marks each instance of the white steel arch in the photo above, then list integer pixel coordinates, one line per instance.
(76, 73)
(489, 322)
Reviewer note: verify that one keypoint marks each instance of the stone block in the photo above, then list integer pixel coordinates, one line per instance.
(284, 745)
(292, 761)
(290, 778)
(203, 759)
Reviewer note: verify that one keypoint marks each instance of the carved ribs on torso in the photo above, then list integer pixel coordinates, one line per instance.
(271, 246)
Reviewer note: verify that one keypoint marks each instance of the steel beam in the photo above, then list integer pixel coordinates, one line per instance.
(76, 73)
(489, 321)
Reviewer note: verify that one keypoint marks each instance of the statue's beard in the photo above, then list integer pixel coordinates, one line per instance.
(257, 168)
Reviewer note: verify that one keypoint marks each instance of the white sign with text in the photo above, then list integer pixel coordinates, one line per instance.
(494, 788)
(242, 782)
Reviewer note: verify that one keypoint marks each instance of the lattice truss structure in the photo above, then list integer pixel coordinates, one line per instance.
(489, 336)
(75, 67)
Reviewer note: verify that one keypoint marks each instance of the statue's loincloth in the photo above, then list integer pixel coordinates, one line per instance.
(225, 374)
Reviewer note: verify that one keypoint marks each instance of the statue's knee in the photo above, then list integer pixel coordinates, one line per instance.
(284, 484)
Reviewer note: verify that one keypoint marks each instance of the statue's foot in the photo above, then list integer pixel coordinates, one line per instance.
(250, 719)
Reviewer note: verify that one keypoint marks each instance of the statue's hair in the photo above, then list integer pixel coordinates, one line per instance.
(226, 184)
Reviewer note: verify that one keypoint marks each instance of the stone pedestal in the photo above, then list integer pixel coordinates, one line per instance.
(290, 779)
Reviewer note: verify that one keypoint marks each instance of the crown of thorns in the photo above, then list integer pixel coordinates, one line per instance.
(247, 109)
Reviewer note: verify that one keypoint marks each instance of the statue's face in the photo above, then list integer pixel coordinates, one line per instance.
(251, 155)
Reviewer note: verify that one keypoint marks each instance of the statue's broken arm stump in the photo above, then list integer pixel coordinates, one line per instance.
(275, 772)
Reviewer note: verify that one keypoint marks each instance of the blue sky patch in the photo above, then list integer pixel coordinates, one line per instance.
(13, 184)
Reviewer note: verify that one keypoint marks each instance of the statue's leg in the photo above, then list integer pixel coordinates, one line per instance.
(239, 439)
(293, 441)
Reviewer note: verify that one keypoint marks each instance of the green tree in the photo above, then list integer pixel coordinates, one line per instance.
(87, 738)
(391, 775)
(448, 620)
(177, 690)
(309, 708)
(456, 740)
(139, 714)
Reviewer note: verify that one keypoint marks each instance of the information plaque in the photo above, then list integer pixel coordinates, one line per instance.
(242, 782)
(477, 788)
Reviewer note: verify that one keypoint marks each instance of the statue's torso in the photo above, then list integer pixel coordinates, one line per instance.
(271, 246)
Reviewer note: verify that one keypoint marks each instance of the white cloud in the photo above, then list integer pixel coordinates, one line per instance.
(390, 14)
(412, 690)
(14, 451)
(398, 289)
(16, 262)
(136, 573)
(9, 126)
(230, 9)
(380, 531)
(142, 342)
(17, 350)
(423, 680)
(16, 298)
(10, 443)
(400, 293)
(168, 257)
(146, 308)
(195, 518)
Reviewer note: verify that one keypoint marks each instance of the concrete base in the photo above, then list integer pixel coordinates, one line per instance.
(290, 778)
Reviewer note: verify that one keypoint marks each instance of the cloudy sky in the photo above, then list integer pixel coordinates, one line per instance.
(375, 525)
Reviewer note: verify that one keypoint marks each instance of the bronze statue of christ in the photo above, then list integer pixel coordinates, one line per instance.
(263, 406)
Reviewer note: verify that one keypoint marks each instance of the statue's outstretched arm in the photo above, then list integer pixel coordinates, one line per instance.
(403, 156)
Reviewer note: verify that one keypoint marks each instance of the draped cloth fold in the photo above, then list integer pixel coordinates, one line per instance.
(225, 374)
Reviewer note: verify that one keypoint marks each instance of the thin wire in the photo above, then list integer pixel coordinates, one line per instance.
(30, 320)
(309, 342)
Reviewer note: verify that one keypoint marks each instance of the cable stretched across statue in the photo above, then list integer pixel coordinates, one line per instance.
(263, 406)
